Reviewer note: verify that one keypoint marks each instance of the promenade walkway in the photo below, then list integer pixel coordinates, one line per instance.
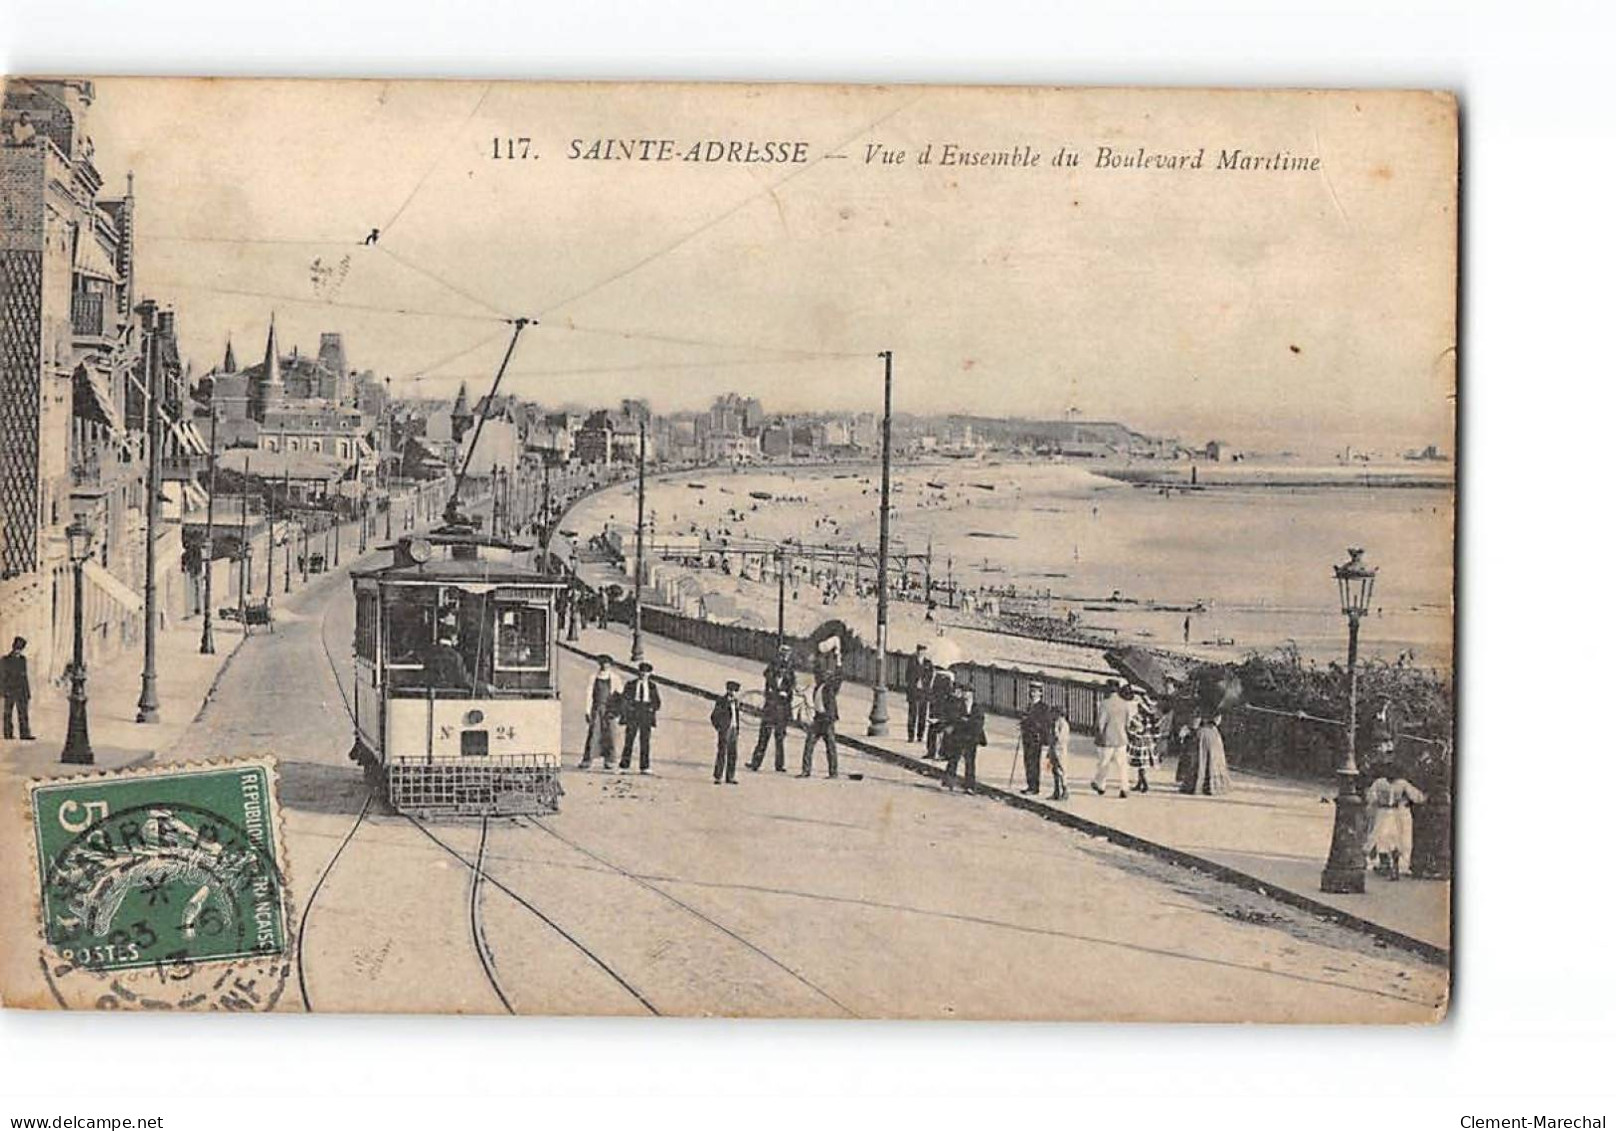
(185, 679)
(1273, 830)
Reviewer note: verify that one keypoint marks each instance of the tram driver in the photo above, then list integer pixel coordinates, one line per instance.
(445, 668)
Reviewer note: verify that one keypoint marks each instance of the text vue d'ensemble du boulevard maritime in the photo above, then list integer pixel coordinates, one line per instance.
(934, 154)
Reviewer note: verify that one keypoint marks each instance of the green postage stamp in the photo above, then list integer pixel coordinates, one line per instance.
(170, 869)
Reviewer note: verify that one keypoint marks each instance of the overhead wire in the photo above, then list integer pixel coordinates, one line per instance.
(746, 202)
(433, 168)
(333, 302)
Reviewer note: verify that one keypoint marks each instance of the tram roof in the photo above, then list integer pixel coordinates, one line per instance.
(448, 570)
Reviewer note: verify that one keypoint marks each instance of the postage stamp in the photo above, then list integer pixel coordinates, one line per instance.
(170, 870)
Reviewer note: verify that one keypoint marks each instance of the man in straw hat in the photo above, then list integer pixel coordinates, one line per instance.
(1037, 734)
(1111, 742)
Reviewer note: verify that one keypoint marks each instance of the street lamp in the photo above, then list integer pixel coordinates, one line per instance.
(1344, 871)
(76, 750)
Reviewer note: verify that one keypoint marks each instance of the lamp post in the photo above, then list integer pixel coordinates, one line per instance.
(1344, 871)
(637, 653)
(878, 705)
(146, 710)
(780, 597)
(76, 750)
(207, 537)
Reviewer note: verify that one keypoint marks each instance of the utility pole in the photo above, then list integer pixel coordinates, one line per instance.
(147, 709)
(387, 456)
(878, 706)
(286, 501)
(269, 544)
(207, 537)
(246, 546)
(638, 652)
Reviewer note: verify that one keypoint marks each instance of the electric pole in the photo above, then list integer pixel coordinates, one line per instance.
(147, 709)
(638, 652)
(878, 706)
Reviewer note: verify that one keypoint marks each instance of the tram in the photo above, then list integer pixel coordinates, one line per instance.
(456, 689)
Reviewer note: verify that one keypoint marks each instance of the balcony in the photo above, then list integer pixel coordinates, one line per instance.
(90, 316)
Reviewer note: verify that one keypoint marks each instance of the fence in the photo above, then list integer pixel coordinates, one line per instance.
(1003, 691)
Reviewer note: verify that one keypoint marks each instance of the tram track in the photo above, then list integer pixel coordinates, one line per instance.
(474, 912)
(479, 880)
(476, 866)
(696, 913)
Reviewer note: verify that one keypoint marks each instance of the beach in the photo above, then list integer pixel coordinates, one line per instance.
(1247, 559)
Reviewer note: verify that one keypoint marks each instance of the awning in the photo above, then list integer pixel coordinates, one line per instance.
(92, 398)
(111, 586)
(189, 438)
(90, 258)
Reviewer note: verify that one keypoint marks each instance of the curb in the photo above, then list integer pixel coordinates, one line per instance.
(1177, 857)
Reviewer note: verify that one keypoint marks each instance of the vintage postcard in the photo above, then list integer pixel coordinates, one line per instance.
(754, 551)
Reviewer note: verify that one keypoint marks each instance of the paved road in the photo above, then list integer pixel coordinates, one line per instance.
(775, 897)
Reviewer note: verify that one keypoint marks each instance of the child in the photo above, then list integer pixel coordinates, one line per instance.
(1142, 740)
(1391, 824)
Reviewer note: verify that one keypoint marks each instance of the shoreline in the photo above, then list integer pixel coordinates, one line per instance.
(748, 594)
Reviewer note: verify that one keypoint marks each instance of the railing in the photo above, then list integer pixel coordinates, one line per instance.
(89, 314)
(1003, 691)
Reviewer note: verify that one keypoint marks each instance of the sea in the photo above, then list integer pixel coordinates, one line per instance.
(1246, 556)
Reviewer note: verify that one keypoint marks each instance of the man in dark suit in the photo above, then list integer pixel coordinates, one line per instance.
(641, 702)
(823, 697)
(917, 691)
(779, 686)
(938, 711)
(1037, 733)
(726, 720)
(967, 731)
(15, 691)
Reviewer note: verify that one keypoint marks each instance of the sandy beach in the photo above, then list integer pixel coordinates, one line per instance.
(1249, 566)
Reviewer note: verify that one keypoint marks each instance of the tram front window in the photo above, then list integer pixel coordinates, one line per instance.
(523, 641)
(432, 640)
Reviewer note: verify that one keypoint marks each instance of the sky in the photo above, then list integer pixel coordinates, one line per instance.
(1303, 310)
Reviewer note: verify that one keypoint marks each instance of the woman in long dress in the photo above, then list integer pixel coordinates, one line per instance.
(1391, 823)
(1209, 769)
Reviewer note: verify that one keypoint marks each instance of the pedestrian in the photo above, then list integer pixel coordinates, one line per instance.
(605, 705)
(726, 720)
(917, 692)
(1391, 823)
(967, 733)
(1057, 757)
(1186, 630)
(1037, 734)
(15, 690)
(1209, 768)
(1142, 739)
(779, 688)
(1111, 743)
(940, 708)
(641, 702)
(827, 683)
